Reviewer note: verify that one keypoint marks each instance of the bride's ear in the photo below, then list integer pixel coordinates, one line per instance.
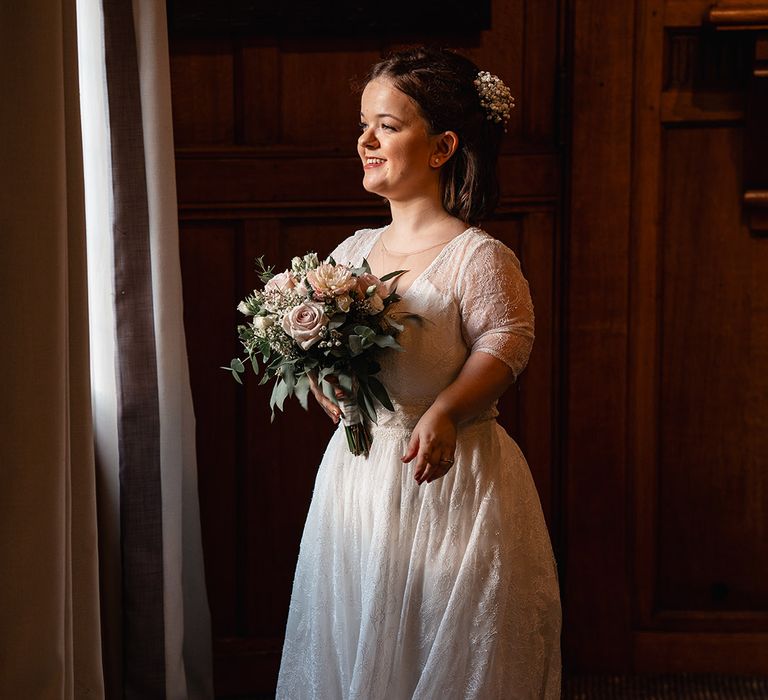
(445, 146)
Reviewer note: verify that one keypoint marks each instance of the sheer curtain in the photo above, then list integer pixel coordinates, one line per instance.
(49, 595)
(141, 629)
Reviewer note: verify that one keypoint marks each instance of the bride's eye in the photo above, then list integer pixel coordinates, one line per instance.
(388, 127)
(363, 126)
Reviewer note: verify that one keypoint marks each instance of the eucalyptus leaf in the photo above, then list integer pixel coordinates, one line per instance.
(386, 341)
(279, 393)
(237, 365)
(254, 364)
(345, 380)
(236, 375)
(289, 378)
(391, 275)
(380, 392)
(364, 331)
(355, 344)
(366, 404)
(328, 390)
(302, 390)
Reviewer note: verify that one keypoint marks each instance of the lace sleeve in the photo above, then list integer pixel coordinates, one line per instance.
(496, 306)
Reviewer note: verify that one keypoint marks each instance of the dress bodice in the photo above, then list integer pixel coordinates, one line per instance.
(471, 298)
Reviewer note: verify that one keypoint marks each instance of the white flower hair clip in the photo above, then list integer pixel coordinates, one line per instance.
(495, 97)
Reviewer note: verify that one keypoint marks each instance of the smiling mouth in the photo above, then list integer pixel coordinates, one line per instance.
(373, 162)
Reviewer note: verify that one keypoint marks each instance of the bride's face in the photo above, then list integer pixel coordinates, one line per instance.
(395, 145)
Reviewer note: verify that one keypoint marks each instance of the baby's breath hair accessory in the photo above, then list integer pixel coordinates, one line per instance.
(495, 97)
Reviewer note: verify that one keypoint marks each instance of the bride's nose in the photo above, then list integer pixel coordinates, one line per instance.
(368, 139)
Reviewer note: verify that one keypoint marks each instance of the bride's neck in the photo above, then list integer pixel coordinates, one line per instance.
(419, 220)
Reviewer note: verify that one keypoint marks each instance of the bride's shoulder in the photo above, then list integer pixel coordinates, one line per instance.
(479, 245)
(347, 249)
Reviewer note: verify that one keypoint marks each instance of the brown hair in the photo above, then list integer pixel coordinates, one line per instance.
(441, 83)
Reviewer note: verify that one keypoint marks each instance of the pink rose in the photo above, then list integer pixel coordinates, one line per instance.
(369, 280)
(331, 280)
(281, 282)
(304, 322)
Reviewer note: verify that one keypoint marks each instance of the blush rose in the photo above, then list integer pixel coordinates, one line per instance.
(304, 323)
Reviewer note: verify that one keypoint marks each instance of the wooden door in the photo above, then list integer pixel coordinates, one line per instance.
(667, 447)
(265, 131)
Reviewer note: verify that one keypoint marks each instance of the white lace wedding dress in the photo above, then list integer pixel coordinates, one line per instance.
(446, 590)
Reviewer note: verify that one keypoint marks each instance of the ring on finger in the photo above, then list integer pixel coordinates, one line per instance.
(447, 460)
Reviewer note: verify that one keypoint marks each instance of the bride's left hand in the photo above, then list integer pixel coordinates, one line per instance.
(432, 444)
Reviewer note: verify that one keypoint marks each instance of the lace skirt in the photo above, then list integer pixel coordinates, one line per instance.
(444, 590)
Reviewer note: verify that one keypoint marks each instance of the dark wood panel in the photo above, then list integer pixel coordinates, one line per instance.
(687, 240)
(713, 483)
(203, 96)
(210, 296)
(310, 114)
(597, 595)
(665, 652)
(539, 381)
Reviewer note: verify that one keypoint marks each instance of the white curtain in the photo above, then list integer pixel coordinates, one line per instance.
(142, 629)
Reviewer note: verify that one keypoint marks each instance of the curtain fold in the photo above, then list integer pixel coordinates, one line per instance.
(102, 590)
(49, 591)
(143, 404)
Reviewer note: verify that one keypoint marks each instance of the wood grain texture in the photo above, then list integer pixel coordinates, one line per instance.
(713, 408)
(596, 592)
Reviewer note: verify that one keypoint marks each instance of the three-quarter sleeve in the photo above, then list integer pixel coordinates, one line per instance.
(495, 303)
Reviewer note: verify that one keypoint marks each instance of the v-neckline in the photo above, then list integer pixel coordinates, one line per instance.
(418, 277)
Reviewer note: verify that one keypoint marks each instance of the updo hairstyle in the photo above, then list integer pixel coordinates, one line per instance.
(441, 83)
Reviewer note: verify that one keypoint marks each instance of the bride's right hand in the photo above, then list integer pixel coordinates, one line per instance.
(333, 411)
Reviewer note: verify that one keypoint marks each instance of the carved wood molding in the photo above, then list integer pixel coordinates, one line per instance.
(752, 20)
(741, 16)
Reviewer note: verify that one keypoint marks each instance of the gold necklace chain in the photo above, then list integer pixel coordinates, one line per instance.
(414, 252)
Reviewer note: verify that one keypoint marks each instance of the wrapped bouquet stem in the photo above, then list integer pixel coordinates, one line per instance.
(318, 319)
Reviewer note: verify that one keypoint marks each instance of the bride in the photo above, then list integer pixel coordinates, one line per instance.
(425, 568)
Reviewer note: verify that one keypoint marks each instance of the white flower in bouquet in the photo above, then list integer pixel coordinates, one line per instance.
(300, 266)
(263, 322)
(304, 323)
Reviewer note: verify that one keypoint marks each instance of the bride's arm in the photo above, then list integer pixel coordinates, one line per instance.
(482, 380)
(497, 325)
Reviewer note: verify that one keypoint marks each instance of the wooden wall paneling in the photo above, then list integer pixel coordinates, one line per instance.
(538, 382)
(541, 72)
(319, 103)
(596, 591)
(203, 91)
(698, 496)
(208, 254)
(259, 91)
(712, 447)
(643, 368)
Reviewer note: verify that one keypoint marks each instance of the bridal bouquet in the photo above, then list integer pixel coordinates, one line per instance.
(317, 319)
